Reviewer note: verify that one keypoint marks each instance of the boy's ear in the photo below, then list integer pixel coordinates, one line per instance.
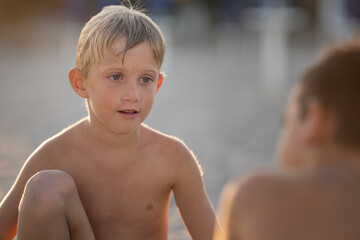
(160, 80)
(318, 124)
(77, 79)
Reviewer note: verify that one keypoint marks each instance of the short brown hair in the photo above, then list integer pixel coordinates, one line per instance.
(335, 82)
(102, 31)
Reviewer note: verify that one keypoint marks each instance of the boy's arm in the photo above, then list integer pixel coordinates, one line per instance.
(10, 203)
(8, 216)
(191, 198)
(9, 209)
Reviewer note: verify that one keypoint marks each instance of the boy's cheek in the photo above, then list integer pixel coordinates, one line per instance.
(280, 146)
(284, 152)
(288, 164)
(289, 159)
(281, 156)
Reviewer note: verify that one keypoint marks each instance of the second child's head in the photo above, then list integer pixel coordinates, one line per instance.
(324, 109)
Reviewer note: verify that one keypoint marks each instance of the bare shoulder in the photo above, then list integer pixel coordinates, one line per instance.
(290, 188)
(44, 157)
(257, 183)
(284, 205)
(54, 148)
(258, 200)
(170, 145)
(176, 155)
(263, 190)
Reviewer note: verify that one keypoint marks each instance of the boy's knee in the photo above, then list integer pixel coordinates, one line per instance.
(49, 186)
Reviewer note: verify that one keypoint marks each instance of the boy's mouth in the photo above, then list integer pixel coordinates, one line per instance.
(128, 111)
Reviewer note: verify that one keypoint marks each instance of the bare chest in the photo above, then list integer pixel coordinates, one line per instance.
(123, 197)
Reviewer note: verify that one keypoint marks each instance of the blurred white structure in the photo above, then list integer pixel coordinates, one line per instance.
(333, 24)
(274, 23)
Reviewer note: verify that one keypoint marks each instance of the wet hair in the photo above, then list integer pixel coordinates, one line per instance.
(335, 81)
(100, 34)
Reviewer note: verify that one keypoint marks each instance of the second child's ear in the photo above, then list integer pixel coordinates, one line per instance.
(77, 79)
(318, 123)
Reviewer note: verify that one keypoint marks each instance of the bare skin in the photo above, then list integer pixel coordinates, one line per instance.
(126, 193)
(118, 170)
(51, 203)
(320, 204)
(315, 195)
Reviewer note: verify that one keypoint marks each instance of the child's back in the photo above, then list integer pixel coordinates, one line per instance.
(321, 204)
(316, 195)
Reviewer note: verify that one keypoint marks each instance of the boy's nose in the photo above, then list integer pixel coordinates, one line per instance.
(131, 92)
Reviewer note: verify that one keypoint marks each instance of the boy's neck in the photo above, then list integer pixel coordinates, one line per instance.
(109, 140)
(336, 155)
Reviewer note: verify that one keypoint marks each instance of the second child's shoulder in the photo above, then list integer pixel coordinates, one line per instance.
(260, 191)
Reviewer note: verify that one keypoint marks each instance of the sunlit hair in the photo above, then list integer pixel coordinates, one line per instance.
(335, 82)
(101, 33)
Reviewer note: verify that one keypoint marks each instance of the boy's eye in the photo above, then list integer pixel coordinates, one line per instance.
(146, 80)
(115, 77)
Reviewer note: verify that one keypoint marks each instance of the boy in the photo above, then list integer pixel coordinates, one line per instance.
(318, 194)
(109, 176)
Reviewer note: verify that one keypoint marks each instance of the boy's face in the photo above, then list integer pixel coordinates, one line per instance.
(121, 93)
(290, 147)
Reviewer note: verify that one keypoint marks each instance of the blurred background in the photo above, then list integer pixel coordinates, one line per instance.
(229, 67)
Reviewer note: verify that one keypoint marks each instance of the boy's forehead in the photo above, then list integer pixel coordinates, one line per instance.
(118, 48)
(116, 57)
(118, 51)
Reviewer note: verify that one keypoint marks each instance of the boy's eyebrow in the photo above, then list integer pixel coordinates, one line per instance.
(121, 69)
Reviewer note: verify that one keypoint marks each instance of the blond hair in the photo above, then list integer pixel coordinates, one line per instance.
(102, 31)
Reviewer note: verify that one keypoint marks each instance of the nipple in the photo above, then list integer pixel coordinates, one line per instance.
(149, 207)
